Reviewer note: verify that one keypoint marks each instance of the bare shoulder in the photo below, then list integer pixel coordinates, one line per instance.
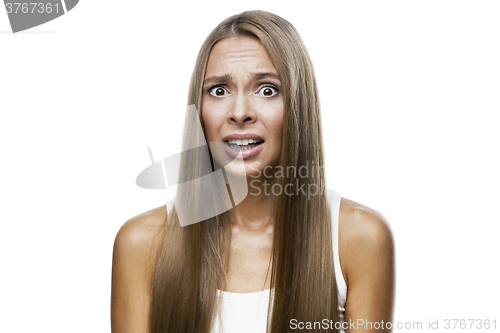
(365, 238)
(134, 257)
(142, 228)
(138, 239)
(359, 222)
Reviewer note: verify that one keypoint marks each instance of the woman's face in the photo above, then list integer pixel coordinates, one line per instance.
(242, 103)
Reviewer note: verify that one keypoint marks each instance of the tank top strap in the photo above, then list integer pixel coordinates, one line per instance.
(334, 199)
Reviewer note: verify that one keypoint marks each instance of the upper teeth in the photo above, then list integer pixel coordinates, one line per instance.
(242, 142)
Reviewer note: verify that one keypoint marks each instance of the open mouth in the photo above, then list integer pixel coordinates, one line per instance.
(243, 144)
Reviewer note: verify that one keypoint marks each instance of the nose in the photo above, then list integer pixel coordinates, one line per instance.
(242, 112)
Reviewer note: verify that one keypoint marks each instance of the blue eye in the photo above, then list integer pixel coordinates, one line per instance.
(268, 91)
(217, 91)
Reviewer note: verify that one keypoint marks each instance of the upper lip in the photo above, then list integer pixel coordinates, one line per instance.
(241, 136)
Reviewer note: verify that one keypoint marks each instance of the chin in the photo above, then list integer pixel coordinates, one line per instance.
(240, 171)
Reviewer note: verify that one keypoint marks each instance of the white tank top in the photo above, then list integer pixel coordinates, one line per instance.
(247, 312)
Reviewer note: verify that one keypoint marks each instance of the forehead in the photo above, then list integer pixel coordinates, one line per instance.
(236, 53)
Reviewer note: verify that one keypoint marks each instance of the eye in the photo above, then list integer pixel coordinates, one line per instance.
(218, 91)
(268, 91)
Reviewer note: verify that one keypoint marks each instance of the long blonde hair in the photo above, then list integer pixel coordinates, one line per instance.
(192, 260)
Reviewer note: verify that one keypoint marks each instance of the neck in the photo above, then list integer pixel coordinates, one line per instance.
(256, 211)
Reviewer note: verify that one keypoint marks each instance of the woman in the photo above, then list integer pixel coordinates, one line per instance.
(290, 255)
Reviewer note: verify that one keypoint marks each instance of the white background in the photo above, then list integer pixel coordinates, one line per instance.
(410, 105)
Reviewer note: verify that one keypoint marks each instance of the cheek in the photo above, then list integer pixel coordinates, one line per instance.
(276, 123)
(280, 119)
(272, 115)
(209, 121)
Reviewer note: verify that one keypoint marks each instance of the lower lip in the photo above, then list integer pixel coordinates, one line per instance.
(244, 153)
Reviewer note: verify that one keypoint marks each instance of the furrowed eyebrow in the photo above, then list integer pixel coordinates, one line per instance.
(218, 79)
(260, 76)
(228, 77)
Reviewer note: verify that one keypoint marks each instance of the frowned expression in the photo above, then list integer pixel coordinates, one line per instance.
(242, 103)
